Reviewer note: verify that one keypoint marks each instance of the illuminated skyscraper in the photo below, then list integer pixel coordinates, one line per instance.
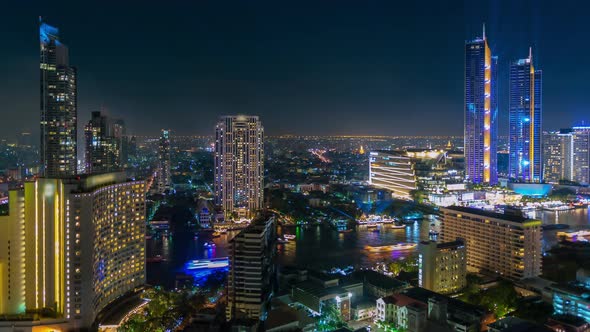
(481, 111)
(239, 165)
(105, 140)
(525, 121)
(72, 246)
(59, 106)
(558, 155)
(581, 163)
(164, 174)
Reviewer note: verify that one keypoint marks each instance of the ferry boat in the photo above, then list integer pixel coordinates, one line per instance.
(376, 219)
(289, 236)
(371, 225)
(557, 207)
(213, 263)
(281, 240)
(395, 247)
(396, 226)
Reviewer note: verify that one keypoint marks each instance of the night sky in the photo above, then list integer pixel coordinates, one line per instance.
(306, 67)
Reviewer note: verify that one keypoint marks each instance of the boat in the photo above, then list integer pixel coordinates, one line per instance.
(396, 226)
(371, 225)
(289, 236)
(209, 245)
(345, 231)
(281, 240)
(223, 231)
(155, 259)
(554, 226)
(213, 263)
(395, 247)
(376, 219)
(557, 207)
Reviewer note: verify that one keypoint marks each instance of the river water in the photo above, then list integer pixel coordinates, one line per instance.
(321, 247)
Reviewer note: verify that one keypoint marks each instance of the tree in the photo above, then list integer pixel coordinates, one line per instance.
(330, 319)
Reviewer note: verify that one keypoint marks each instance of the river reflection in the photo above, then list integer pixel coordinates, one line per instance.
(322, 247)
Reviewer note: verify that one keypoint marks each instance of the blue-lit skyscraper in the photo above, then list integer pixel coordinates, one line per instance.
(525, 116)
(481, 112)
(59, 107)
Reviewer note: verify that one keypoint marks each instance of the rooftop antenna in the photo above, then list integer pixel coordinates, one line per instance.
(484, 32)
(531, 53)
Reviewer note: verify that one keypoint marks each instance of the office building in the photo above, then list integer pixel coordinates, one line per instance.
(508, 245)
(558, 155)
(392, 170)
(239, 165)
(525, 121)
(481, 112)
(442, 267)
(252, 272)
(581, 162)
(105, 144)
(71, 247)
(163, 176)
(59, 106)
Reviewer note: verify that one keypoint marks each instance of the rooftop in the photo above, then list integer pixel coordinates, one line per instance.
(514, 324)
(489, 214)
(422, 295)
(318, 290)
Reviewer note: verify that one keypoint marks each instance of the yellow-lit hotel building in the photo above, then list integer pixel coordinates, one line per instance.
(504, 244)
(69, 247)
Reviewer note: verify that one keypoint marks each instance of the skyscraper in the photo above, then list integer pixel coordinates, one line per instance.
(164, 174)
(251, 270)
(59, 106)
(581, 163)
(525, 120)
(105, 140)
(239, 165)
(71, 246)
(558, 155)
(481, 111)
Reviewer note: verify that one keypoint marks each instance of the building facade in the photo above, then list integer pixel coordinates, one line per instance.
(508, 245)
(481, 112)
(392, 170)
(75, 245)
(525, 121)
(442, 267)
(164, 175)
(239, 165)
(558, 156)
(581, 162)
(105, 144)
(252, 272)
(59, 106)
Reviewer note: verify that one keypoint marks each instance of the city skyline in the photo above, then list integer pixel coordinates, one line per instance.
(371, 88)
